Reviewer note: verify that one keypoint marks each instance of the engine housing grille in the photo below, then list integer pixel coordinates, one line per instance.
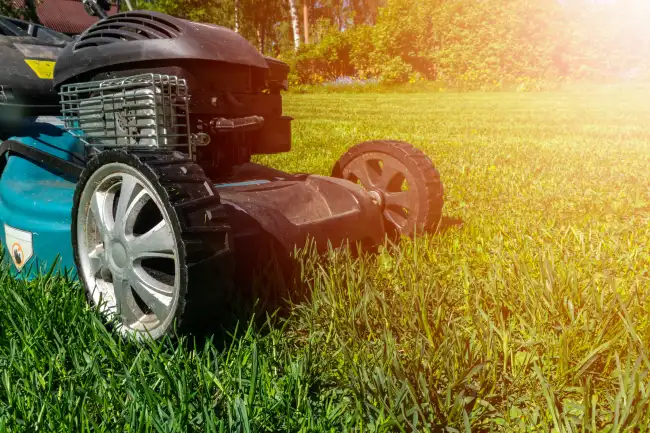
(141, 111)
(127, 26)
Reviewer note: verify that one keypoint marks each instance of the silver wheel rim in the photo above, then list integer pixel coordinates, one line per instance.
(127, 251)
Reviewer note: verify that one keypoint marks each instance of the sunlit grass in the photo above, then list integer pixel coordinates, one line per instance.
(533, 315)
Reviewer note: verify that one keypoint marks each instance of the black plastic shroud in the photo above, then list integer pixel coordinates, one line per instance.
(147, 36)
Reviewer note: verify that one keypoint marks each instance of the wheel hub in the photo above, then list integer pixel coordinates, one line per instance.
(377, 197)
(118, 254)
(128, 252)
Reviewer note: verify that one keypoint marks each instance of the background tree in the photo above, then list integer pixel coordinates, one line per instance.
(262, 15)
(221, 12)
(365, 11)
(237, 14)
(306, 5)
(295, 23)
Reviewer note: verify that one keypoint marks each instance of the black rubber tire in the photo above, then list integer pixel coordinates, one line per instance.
(198, 220)
(430, 193)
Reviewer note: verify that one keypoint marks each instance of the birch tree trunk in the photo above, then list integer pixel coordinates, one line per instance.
(237, 6)
(295, 23)
(261, 36)
(305, 15)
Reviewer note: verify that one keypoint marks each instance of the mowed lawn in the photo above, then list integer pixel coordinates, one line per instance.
(529, 311)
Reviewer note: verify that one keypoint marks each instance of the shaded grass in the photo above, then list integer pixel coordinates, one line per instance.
(531, 316)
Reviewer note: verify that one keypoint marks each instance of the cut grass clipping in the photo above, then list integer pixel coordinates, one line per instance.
(533, 315)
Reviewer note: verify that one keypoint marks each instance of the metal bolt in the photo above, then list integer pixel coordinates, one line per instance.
(376, 198)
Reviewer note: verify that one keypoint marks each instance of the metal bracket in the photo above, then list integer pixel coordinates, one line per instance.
(240, 124)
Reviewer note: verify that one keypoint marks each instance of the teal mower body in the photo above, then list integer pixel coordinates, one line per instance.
(36, 200)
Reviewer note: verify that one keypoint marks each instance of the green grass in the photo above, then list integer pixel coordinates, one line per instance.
(533, 315)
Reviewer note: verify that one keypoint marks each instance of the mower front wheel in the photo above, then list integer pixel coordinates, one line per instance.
(139, 223)
(400, 178)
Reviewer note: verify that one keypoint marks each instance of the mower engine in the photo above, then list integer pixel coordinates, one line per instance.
(200, 88)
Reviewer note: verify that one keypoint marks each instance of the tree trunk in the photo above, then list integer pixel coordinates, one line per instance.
(295, 23)
(30, 11)
(237, 6)
(261, 36)
(305, 15)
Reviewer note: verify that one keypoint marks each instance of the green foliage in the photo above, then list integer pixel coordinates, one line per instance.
(464, 43)
(337, 54)
(326, 60)
(485, 44)
(258, 18)
(395, 70)
(8, 9)
(26, 12)
(488, 45)
(219, 12)
(362, 48)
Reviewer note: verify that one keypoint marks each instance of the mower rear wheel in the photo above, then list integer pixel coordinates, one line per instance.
(400, 178)
(135, 234)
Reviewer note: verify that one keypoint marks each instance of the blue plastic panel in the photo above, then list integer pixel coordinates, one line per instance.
(38, 201)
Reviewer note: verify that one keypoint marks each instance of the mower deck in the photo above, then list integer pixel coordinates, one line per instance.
(293, 207)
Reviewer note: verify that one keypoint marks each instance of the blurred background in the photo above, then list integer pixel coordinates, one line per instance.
(461, 44)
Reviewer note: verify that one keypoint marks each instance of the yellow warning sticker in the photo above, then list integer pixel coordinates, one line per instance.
(43, 68)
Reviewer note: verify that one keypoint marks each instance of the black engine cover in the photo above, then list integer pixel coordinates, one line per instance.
(152, 37)
(22, 91)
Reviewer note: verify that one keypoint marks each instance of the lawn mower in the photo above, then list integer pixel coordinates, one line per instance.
(126, 162)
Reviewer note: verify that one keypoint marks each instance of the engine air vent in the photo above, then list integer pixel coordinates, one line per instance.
(127, 26)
